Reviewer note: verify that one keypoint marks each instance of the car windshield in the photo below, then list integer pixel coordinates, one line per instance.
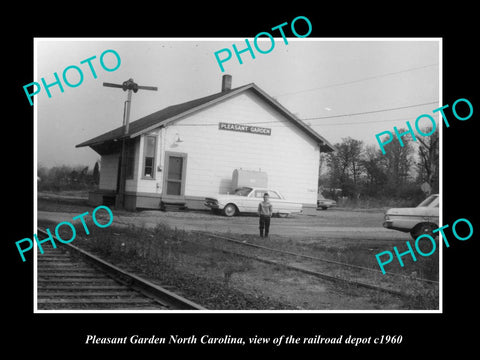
(244, 191)
(428, 201)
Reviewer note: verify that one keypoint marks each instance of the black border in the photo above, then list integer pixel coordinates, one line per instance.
(422, 333)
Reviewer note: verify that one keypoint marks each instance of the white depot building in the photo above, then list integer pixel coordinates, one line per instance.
(186, 152)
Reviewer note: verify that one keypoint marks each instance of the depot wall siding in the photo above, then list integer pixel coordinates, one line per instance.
(288, 155)
(108, 172)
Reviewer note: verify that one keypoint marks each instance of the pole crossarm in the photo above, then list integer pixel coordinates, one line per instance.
(129, 85)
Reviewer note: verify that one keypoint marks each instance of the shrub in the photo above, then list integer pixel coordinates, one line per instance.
(60, 178)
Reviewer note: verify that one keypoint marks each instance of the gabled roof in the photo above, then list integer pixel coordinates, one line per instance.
(174, 112)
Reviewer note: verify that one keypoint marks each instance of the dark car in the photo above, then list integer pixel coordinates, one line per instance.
(323, 203)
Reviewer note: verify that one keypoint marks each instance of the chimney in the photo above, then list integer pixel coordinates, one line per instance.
(226, 82)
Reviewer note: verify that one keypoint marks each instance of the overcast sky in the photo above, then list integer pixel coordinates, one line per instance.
(316, 79)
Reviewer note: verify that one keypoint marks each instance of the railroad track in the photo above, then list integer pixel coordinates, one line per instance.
(71, 278)
(318, 267)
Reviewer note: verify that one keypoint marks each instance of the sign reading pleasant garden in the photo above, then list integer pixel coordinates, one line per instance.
(245, 128)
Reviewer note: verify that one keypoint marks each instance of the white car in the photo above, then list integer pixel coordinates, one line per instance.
(419, 220)
(246, 200)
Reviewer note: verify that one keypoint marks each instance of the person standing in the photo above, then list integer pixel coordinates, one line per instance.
(265, 213)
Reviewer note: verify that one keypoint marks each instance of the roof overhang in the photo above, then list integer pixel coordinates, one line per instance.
(106, 141)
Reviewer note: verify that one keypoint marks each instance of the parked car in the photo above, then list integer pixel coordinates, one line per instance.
(323, 203)
(246, 200)
(419, 220)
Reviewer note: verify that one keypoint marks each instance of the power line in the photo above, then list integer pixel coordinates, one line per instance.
(358, 80)
(328, 124)
(331, 117)
(361, 122)
(273, 126)
(370, 112)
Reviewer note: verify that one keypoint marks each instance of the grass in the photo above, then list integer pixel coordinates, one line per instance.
(361, 255)
(168, 256)
(420, 294)
(376, 203)
(179, 258)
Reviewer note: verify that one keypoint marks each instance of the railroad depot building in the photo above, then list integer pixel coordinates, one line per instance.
(189, 151)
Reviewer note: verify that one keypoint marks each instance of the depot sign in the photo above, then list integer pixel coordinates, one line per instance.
(245, 128)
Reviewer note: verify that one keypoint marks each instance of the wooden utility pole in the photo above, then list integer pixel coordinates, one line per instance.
(129, 86)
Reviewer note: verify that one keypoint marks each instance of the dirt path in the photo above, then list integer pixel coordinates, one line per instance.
(331, 224)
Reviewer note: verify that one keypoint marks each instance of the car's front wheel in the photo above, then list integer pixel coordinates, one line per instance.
(423, 228)
(230, 210)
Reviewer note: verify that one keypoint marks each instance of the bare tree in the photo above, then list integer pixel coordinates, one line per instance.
(428, 164)
(374, 165)
(399, 160)
(355, 149)
(345, 165)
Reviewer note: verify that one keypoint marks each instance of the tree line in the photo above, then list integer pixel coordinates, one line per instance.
(65, 177)
(405, 174)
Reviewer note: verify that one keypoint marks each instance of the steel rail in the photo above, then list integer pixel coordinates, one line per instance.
(240, 242)
(300, 269)
(133, 281)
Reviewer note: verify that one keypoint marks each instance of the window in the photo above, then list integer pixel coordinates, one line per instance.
(429, 201)
(273, 194)
(149, 157)
(259, 193)
(244, 191)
